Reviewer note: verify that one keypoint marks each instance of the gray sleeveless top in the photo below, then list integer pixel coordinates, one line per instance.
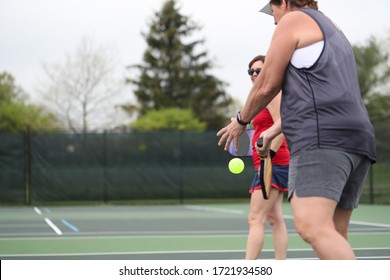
(322, 105)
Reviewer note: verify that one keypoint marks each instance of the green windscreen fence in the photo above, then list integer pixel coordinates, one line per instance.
(132, 166)
(377, 188)
(12, 168)
(60, 167)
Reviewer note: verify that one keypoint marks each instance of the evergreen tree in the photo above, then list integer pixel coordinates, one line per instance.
(372, 60)
(373, 67)
(174, 74)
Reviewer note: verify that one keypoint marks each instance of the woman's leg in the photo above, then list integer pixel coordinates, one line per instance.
(313, 218)
(279, 230)
(256, 219)
(341, 220)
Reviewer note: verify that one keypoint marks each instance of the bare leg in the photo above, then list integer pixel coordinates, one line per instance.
(256, 219)
(279, 230)
(341, 220)
(313, 217)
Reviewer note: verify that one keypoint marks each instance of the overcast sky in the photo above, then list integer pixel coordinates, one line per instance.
(33, 32)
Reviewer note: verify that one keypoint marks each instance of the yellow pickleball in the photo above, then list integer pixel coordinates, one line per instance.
(236, 165)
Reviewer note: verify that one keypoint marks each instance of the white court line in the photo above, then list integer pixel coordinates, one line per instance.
(36, 209)
(53, 226)
(354, 223)
(50, 223)
(157, 234)
(185, 252)
(215, 210)
(370, 224)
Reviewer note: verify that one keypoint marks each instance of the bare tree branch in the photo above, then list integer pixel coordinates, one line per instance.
(82, 90)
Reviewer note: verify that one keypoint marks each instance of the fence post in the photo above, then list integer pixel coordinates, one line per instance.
(27, 165)
(105, 183)
(181, 187)
(371, 184)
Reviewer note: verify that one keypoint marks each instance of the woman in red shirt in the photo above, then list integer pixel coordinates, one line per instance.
(271, 209)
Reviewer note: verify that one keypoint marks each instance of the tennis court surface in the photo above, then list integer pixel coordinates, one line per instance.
(165, 232)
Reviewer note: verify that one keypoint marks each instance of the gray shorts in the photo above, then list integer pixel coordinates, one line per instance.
(331, 174)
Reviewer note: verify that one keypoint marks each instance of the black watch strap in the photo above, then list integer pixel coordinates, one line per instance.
(240, 121)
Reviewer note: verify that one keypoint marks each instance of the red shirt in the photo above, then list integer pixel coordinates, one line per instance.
(262, 122)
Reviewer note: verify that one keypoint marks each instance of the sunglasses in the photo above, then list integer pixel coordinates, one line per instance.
(252, 71)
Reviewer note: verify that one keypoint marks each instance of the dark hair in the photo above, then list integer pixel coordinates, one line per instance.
(256, 58)
(297, 3)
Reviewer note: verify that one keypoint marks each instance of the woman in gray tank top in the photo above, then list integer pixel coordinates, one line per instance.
(324, 120)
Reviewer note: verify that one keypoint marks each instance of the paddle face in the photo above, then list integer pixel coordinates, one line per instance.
(265, 172)
(244, 145)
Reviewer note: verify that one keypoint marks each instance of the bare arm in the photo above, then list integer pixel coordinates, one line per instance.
(267, 85)
(272, 137)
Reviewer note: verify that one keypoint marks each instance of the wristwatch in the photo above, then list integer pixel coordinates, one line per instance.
(240, 121)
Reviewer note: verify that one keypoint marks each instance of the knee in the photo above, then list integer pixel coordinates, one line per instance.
(305, 230)
(254, 219)
(274, 219)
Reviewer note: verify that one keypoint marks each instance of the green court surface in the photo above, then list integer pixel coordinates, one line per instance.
(199, 232)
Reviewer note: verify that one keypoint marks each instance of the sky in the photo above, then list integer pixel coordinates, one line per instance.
(34, 32)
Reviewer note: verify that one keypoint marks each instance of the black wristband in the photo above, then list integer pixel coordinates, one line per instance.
(240, 121)
(272, 153)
